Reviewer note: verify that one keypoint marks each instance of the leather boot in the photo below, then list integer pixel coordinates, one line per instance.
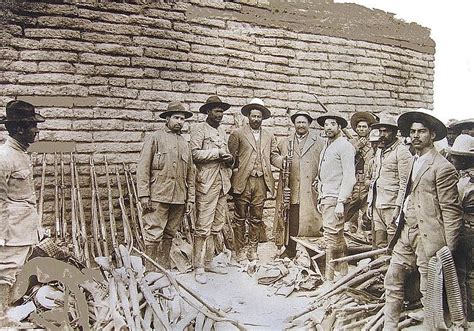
(199, 251)
(152, 251)
(209, 264)
(392, 311)
(164, 254)
(239, 240)
(380, 238)
(254, 236)
(329, 273)
(343, 266)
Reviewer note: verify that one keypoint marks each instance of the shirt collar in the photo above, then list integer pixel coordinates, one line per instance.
(15, 144)
(301, 137)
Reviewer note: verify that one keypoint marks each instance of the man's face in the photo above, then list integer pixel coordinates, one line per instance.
(331, 128)
(175, 122)
(215, 115)
(255, 119)
(28, 133)
(301, 125)
(362, 129)
(387, 135)
(451, 136)
(468, 128)
(421, 137)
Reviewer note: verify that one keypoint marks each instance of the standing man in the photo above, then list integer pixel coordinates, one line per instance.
(304, 219)
(165, 181)
(389, 181)
(360, 123)
(254, 150)
(336, 181)
(19, 220)
(431, 216)
(213, 171)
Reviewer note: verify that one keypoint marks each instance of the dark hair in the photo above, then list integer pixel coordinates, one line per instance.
(426, 123)
(12, 127)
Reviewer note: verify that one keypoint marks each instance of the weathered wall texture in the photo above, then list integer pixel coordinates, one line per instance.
(101, 73)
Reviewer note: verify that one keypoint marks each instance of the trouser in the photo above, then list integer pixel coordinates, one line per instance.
(383, 226)
(463, 259)
(407, 254)
(211, 208)
(248, 206)
(293, 229)
(12, 259)
(357, 203)
(163, 222)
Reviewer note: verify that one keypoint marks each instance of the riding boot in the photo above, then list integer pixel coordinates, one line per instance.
(239, 240)
(392, 311)
(254, 235)
(152, 251)
(164, 253)
(380, 238)
(329, 273)
(199, 252)
(209, 264)
(5, 293)
(343, 266)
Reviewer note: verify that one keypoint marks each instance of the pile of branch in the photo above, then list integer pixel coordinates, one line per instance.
(354, 302)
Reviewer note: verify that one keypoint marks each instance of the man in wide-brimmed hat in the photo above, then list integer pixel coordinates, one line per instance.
(19, 227)
(464, 126)
(304, 220)
(254, 150)
(431, 216)
(213, 165)
(165, 181)
(360, 123)
(388, 180)
(462, 156)
(336, 179)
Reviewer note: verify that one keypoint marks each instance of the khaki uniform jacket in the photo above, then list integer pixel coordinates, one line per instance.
(165, 171)
(435, 197)
(19, 219)
(390, 176)
(205, 144)
(243, 147)
(304, 170)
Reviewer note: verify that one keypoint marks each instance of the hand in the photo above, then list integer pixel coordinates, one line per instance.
(339, 210)
(227, 158)
(189, 207)
(315, 184)
(146, 205)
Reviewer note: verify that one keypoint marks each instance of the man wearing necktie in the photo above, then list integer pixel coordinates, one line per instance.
(304, 219)
(431, 217)
(254, 150)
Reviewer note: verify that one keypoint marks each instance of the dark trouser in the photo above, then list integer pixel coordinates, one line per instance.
(293, 230)
(249, 206)
(358, 202)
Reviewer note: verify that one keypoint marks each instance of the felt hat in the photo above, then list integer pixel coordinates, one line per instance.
(340, 120)
(385, 121)
(463, 145)
(362, 116)
(175, 107)
(301, 113)
(407, 119)
(213, 102)
(258, 104)
(20, 111)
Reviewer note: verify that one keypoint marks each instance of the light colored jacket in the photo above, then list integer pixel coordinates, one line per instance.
(205, 144)
(435, 197)
(19, 220)
(337, 170)
(165, 171)
(304, 170)
(390, 176)
(243, 147)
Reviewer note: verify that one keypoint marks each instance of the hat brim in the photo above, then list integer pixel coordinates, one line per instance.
(407, 119)
(340, 120)
(459, 153)
(294, 116)
(37, 118)
(187, 114)
(247, 108)
(362, 116)
(387, 125)
(208, 106)
(459, 125)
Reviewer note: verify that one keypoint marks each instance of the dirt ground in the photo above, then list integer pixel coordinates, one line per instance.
(248, 302)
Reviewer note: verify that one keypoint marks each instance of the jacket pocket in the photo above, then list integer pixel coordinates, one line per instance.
(159, 160)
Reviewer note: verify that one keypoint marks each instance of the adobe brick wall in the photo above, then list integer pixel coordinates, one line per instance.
(101, 73)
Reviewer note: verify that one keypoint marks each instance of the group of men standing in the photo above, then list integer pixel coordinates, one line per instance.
(416, 203)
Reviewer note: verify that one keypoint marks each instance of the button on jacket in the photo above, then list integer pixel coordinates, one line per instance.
(390, 176)
(165, 170)
(18, 215)
(205, 144)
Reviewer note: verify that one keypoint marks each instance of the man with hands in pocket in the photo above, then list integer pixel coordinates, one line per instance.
(165, 181)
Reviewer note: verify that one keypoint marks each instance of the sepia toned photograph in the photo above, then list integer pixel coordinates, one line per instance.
(236, 165)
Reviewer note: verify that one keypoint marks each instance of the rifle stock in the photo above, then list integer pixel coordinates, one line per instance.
(103, 230)
(113, 225)
(74, 226)
(95, 222)
(63, 200)
(57, 224)
(133, 213)
(286, 191)
(82, 217)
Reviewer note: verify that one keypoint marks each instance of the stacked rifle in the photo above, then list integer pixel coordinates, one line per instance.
(92, 228)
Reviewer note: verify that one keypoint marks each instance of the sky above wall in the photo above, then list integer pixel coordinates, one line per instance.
(452, 28)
